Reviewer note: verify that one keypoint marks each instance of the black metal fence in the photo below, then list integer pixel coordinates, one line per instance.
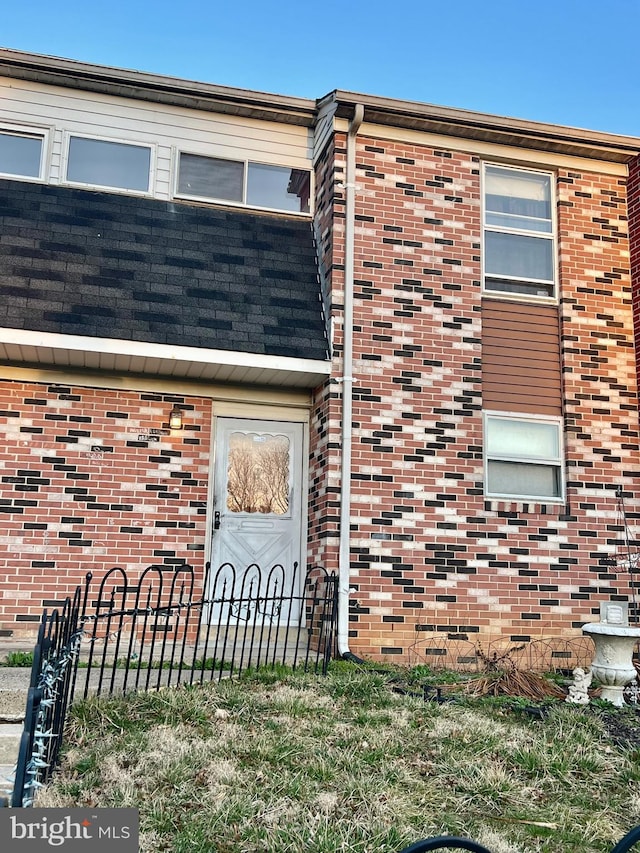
(55, 658)
(124, 634)
(154, 633)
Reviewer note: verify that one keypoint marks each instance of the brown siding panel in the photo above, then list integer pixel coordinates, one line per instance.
(521, 357)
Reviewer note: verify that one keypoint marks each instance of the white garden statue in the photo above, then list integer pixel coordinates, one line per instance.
(579, 690)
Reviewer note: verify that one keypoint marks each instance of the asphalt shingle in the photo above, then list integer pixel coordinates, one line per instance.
(107, 265)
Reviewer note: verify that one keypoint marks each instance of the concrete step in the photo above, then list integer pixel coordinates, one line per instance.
(14, 683)
(6, 784)
(13, 679)
(10, 734)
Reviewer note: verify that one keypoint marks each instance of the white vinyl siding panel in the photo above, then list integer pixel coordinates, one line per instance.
(521, 363)
(57, 149)
(168, 128)
(164, 176)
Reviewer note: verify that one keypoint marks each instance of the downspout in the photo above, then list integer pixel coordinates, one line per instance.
(344, 567)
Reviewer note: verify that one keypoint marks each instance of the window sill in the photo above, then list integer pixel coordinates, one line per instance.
(239, 205)
(505, 296)
(100, 189)
(521, 506)
(5, 176)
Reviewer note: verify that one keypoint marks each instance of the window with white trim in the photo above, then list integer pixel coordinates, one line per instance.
(243, 182)
(21, 153)
(519, 232)
(523, 457)
(104, 163)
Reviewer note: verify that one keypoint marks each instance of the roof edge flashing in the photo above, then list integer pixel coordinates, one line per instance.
(469, 124)
(54, 71)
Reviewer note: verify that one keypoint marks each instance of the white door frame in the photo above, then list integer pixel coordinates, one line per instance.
(265, 413)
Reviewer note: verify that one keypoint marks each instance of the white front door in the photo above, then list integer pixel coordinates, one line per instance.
(257, 512)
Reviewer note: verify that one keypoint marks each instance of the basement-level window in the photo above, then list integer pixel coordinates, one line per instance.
(21, 153)
(114, 165)
(242, 182)
(523, 457)
(519, 244)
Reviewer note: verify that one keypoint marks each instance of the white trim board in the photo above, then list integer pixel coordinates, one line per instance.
(526, 157)
(21, 347)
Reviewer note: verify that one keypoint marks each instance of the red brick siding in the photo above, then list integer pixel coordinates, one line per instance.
(633, 192)
(427, 549)
(324, 460)
(68, 507)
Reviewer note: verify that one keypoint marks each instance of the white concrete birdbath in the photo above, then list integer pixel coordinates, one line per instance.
(613, 661)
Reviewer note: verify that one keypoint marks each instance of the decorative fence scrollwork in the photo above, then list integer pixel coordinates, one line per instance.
(153, 631)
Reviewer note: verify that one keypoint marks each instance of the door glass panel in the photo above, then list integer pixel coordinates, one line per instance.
(258, 473)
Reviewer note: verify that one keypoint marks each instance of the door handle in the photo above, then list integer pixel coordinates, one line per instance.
(216, 520)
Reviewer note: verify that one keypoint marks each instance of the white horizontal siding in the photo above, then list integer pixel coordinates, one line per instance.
(163, 177)
(169, 128)
(55, 161)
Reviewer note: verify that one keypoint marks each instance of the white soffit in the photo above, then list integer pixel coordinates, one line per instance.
(25, 348)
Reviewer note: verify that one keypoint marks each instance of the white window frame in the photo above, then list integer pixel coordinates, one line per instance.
(552, 236)
(246, 162)
(148, 193)
(556, 462)
(32, 132)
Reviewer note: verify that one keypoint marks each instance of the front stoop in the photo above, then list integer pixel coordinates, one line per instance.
(14, 685)
(10, 734)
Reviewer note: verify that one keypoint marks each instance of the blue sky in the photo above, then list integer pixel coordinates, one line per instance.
(572, 62)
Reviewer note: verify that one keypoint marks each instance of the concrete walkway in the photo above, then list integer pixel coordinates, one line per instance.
(14, 683)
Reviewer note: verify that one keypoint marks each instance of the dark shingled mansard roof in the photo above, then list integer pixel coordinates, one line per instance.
(114, 266)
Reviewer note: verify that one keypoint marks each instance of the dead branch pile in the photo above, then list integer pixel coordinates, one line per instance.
(503, 678)
(515, 682)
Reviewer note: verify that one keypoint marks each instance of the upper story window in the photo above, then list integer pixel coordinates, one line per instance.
(114, 165)
(519, 244)
(21, 153)
(241, 182)
(523, 457)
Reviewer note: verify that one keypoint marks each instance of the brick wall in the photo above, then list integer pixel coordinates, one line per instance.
(428, 551)
(633, 192)
(84, 486)
(80, 488)
(324, 456)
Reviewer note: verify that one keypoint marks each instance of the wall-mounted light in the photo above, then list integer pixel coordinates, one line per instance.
(175, 418)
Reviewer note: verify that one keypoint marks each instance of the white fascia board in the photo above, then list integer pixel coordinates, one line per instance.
(528, 156)
(163, 352)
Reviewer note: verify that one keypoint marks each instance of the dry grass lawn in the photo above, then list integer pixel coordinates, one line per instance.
(294, 763)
